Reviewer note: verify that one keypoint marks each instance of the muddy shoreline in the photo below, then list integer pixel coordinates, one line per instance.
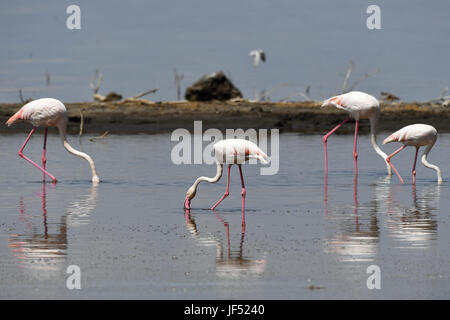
(157, 117)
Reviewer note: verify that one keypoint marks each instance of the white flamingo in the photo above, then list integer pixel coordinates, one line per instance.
(359, 105)
(48, 112)
(416, 135)
(229, 151)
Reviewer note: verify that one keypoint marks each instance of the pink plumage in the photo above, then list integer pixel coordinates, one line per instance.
(237, 151)
(48, 112)
(358, 105)
(229, 151)
(416, 135)
(43, 112)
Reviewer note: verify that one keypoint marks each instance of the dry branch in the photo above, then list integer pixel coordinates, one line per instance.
(347, 78)
(93, 139)
(442, 99)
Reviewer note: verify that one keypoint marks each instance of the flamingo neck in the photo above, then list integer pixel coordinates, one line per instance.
(210, 180)
(373, 140)
(62, 131)
(429, 165)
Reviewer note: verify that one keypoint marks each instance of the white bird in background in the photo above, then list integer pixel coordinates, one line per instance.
(417, 135)
(48, 112)
(229, 151)
(258, 56)
(359, 105)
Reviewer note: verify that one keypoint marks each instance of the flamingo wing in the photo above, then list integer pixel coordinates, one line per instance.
(39, 112)
(239, 150)
(413, 133)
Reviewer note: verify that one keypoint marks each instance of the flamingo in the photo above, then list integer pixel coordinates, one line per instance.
(258, 56)
(48, 112)
(229, 151)
(359, 105)
(417, 135)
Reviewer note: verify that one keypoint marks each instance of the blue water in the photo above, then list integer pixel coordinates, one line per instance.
(303, 239)
(137, 45)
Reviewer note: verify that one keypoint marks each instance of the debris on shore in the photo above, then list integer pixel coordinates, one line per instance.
(128, 117)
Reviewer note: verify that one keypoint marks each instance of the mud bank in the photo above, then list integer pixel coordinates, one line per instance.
(305, 117)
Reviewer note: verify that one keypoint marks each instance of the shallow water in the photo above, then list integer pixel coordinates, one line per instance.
(131, 238)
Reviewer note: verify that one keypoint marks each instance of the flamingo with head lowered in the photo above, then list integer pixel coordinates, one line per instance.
(416, 135)
(359, 105)
(229, 151)
(48, 112)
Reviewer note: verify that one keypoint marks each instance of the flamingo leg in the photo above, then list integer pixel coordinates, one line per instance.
(355, 154)
(325, 138)
(414, 166)
(44, 159)
(27, 159)
(243, 194)
(227, 191)
(388, 160)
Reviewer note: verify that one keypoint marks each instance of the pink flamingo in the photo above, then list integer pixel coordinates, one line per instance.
(229, 151)
(359, 105)
(48, 112)
(417, 135)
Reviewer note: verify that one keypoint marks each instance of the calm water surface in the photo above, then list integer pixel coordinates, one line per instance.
(132, 239)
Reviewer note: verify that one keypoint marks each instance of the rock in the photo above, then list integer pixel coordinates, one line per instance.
(215, 86)
(113, 96)
(387, 96)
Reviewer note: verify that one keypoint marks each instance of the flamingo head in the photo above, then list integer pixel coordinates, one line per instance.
(328, 103)
(190, 194)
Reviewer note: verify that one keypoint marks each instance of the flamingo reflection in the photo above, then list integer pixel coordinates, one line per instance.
(410, 226)
(43, 245)
(357, 238)
(230, 264)
(414, 227)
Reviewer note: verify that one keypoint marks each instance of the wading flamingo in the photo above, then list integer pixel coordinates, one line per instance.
(48, 112)
(359, 105)
(417, 135)
(229, 151)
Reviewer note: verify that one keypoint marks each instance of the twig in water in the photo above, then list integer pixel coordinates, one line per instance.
(366, 75)
(178, 78)
(145, 93)
(47, 78)
(305, 95)
(93, 139)
(81, 123)
(443, 99)
(347, 76)
(95, 87)
(21, 96)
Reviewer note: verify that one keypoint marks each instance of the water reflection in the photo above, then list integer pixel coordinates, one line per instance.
(414, 227)
(356, 236)
(43, 245)
(230, 264)
(357, 239)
